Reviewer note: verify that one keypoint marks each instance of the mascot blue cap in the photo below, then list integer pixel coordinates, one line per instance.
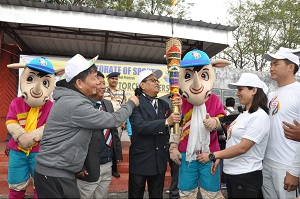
(41, 64)
(195, 58)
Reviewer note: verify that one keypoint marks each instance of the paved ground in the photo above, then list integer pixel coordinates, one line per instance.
(122, 195)
(125, 195)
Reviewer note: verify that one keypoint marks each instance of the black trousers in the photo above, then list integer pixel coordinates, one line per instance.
(114, 165)
(246, 185)
(55, 187)
(137, 183)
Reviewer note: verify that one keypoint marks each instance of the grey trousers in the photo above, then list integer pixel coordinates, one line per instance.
(98, 189)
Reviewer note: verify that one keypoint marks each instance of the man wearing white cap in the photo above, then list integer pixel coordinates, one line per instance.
(148, 150)
(282, 162)
(69, 129)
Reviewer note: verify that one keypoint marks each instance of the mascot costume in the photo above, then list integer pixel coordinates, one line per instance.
(25, 121)
(200, 110)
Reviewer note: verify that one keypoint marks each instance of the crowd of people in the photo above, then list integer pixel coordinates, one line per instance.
(71, 147)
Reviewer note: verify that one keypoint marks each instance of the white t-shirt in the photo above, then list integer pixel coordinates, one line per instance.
(284, 104)
(254, 127)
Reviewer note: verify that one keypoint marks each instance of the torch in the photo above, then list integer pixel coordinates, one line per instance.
(173, 57)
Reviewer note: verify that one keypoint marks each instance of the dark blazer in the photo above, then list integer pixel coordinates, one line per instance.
(92, 161)
(148, 153)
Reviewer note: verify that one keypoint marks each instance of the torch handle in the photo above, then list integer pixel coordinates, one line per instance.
(173, 57)
(175, 109)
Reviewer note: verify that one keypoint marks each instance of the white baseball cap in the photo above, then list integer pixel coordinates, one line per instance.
(76, 65)
(249, 79)
(147, 73)
(284, 53)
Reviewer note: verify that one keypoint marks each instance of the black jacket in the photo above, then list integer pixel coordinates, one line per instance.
(92, 161)
(148, 153)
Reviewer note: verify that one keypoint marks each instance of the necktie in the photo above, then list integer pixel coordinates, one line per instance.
(107, 137)
(99, 105)
(154, 103)
(106, 132)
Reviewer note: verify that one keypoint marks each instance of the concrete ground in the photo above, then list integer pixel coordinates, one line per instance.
(165, 195)
(122, 195)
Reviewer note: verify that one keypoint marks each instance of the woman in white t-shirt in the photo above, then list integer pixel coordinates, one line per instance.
(247, 138)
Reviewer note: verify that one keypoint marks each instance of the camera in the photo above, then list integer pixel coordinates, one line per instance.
(227, 120)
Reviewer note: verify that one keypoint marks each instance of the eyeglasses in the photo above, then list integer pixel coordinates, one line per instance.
(152, 80)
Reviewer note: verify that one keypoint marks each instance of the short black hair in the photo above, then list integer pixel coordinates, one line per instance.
(138, 91)
(230, 101)
(296, 67)
(100, 74)
(240, 109)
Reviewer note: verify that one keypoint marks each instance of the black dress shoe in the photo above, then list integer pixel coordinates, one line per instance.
(115, 174)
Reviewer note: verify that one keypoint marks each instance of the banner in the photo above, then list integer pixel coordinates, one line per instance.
(129, 75)
(129, 72)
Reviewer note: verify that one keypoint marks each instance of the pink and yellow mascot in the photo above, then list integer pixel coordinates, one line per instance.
(25, 121)
(200, 110)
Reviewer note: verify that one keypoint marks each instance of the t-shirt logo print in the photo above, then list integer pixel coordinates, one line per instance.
(274, 105)
(230, 129)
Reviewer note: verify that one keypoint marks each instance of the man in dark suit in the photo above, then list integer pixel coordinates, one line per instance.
(148, 153)
(95, 178)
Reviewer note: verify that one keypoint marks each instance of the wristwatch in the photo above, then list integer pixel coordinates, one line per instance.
(212, 157)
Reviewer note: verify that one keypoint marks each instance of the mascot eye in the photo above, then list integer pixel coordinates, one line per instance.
(205, 76)
(188, 75)
(46, 83)
(30, 79)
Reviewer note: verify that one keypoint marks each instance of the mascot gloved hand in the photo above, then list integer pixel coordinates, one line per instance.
(175, 155)
(25, 121)
(25, 139)
(200, 111)
(211, 123)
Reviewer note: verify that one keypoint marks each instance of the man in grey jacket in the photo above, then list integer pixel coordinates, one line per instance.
(94, 179)
(69, 128)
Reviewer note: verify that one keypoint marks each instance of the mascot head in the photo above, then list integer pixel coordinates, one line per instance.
(36, 81)
(197, 76)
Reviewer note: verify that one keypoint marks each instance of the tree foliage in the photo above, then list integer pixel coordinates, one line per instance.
(262, 26)
(180, 9)
(164, 7)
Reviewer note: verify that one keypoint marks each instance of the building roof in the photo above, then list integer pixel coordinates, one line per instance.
(65, 30)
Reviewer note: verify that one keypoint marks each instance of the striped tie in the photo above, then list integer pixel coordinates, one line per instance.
(99, 105)
(107, 137)
(154, 103)
(106, 132)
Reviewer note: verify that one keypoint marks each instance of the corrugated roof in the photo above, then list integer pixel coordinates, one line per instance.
(110, 45)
